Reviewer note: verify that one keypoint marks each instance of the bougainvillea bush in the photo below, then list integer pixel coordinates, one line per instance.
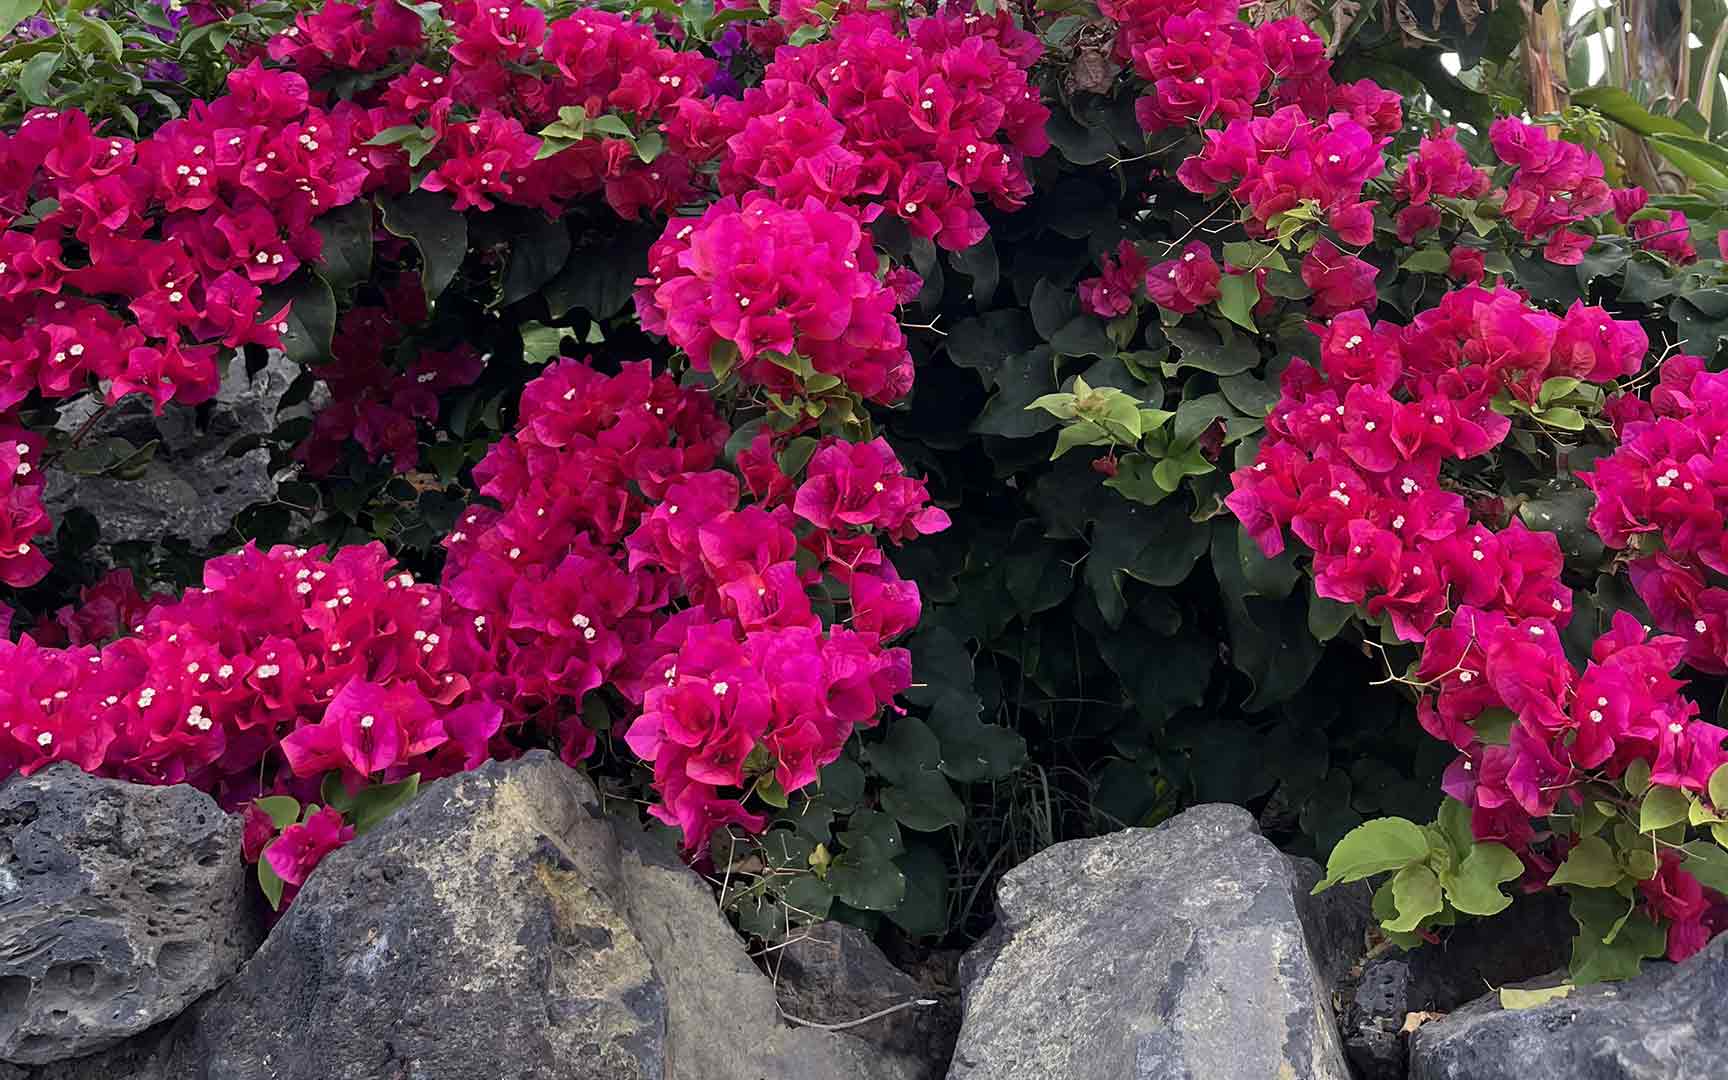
(882, 440)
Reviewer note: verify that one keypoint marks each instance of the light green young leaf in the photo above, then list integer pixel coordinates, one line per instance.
(1718, 788)
(1590, 863)
(1474, 888)
(268, 880)
(1058, 405)
(1431, 260)
(1237, 295)
(1513, 998)
(1636, 778)
(1662, 807)
(283, 810)
(542, 343)
(1416, 892)
(1374, 847)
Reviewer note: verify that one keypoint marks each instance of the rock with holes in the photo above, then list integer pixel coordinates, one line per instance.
(498, 926)
(1175, 952)
(120, 905)
(1666, 1024)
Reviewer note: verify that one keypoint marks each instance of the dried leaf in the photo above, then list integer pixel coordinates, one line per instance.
(1414, 1020)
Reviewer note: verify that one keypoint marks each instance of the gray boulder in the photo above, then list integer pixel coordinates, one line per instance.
(498, 926)
(192, 487)
(1667, 1023)
(120, 905)
(1174, 952)
(832, 973)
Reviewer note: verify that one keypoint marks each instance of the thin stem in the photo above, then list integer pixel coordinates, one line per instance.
(915, 1003)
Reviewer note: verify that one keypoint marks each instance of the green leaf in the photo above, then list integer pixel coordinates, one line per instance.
(374, 803)
(971, 749)
(1636, 777)
(312, 319)
(268, 880)
(13, 12)
(1623, 108)
(923, 910)
(649, 146)
(1416, 892)
(1327, 618)
(1494, 726)
(33, 79)
(1205, 350)
(1513, 998)
(1718, 788)
(869, 884)
(1237, 295)
(394, 136)
(542, 343)
(979, 263)
(1252, 255)
(608, 124)
(283, 810)
(1700, 159)
(1374, 847)
(768, 789)
(535, 258)
(1021, 379)
(1613, 937)
(1662, 807)
(599, 283)
(1565, 418)
(910, 760)
(429, 219)
(1590, 863)
(1078, 143)
(865, 875)
(1708, 863)
(1556, 388)
(1431, 260)
(346, 260)
(105, 35)
(1474, 887)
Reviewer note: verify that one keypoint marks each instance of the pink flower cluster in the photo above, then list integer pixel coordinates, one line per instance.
(1439, 168)
(760, 283)
(1202, 62)
(22, 518)
(341, 664)
(922, 119)
(625, 560)
(1183, 284)
(1556, 183)
(186, 228)
(1280, 162)
(1662, 494)
(1353, 465)
(1352, 461)
(507, 73)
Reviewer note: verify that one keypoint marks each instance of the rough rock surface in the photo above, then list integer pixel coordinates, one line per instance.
(834, 974)
(1175, 952)
(1666, 1024)
(1335, 922)
(191, 488)
(1531, 937)
(120, 905)
(498, 927)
